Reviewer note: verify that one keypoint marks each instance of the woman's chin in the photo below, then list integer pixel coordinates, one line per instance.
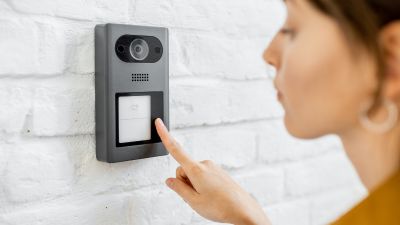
(300, 131)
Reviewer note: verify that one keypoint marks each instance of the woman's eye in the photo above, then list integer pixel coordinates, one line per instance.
(288, 31)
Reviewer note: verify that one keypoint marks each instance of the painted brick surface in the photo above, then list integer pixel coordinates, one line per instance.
(223, 108)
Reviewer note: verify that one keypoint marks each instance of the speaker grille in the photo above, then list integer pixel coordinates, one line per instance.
(140, 77)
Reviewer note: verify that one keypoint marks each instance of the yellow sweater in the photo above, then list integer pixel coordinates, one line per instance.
(380, 207)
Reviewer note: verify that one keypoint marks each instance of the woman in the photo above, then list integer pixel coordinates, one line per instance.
(338, 72)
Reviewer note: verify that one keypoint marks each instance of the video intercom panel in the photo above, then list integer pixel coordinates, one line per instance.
(131, 90)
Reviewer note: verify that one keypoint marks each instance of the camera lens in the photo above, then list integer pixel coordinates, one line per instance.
(139, 49)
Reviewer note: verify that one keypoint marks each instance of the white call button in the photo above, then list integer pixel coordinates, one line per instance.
(134, 113)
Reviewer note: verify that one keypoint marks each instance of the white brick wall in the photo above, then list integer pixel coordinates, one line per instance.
(223, 108)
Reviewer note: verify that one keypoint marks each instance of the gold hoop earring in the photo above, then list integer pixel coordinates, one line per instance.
(379, 127)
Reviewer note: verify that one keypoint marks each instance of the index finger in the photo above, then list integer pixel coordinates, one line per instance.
(171, 145)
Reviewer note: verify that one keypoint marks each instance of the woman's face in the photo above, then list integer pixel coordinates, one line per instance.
(321, 82)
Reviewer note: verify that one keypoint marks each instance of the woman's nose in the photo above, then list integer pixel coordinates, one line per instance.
(272, 52)
(272, 55)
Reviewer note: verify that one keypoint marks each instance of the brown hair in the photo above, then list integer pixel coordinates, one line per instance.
(362, 20)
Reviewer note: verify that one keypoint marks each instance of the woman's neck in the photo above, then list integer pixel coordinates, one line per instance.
(375, 156)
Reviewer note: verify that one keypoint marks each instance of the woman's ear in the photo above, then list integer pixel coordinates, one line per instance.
(390, 41)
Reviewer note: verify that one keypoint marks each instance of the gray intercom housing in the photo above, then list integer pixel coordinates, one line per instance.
(131, 90)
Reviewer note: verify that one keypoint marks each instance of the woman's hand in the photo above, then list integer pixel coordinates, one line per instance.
(208, 189)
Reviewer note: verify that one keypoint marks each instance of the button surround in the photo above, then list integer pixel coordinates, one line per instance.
(144, 118)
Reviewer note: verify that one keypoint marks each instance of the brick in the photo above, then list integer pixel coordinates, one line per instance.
(326, 207)
(16, 104)
(277, 145)
(320, 173)
(101, 210)
(228, 146)
(32, 47)
(290, 212)
(37, 170)
(99, 10)
(238, 59)
(265, 185)
(197, 102)
(20, 40)
(159, 207)
(228, 17)
(52, 48)
(101, 177)
(64, 109)
(80, 51)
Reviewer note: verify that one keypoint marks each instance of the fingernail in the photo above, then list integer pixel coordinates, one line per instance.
(161, 122)
(169, 182)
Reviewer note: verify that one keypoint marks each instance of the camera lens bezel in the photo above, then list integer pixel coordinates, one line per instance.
(155, 49)
(143, 46)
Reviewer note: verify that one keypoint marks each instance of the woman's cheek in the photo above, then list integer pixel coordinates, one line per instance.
(289, 93)
(297, 86)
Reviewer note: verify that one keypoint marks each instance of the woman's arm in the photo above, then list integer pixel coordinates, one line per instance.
(208, 189)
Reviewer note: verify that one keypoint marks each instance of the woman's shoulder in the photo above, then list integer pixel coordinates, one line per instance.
(382, 206)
